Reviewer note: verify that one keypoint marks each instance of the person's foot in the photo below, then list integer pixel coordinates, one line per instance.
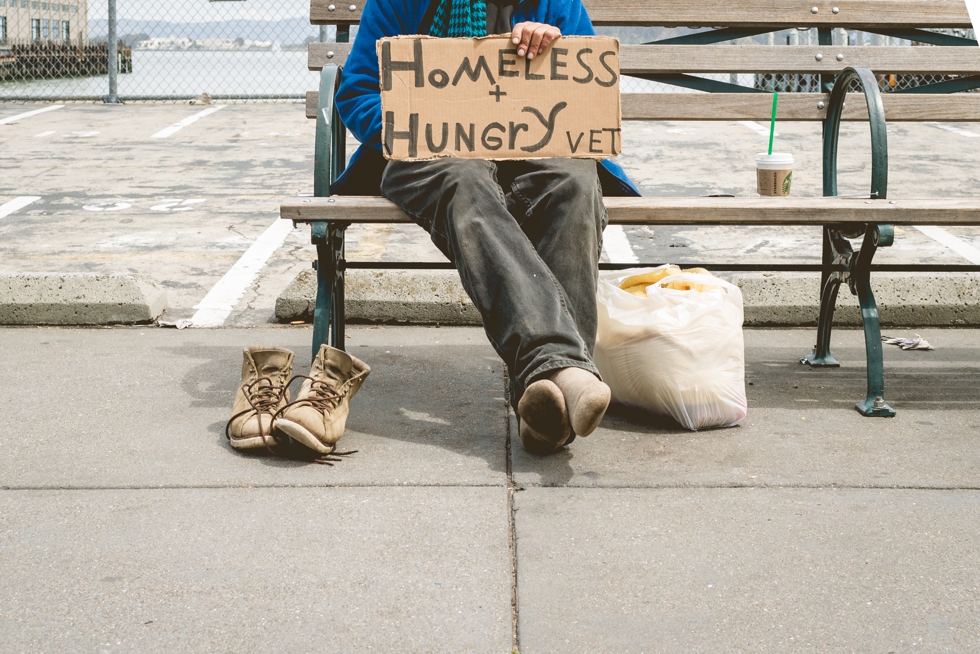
(544, 417)
(586, 398)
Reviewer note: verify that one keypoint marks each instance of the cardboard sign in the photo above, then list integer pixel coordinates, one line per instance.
(475, 98)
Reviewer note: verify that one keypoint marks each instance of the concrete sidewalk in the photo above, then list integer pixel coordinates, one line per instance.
(127, 524)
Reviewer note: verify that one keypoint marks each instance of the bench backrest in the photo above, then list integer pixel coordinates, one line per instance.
(685, 61)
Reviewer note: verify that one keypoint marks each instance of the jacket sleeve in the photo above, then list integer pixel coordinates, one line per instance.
(359, 96)
(570, 16)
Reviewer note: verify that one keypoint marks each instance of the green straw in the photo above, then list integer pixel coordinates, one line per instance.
(772, 124)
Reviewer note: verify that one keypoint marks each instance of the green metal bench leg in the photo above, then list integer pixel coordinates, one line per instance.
(328, 314)
(854, 268)
(328, 237)
(875, 237)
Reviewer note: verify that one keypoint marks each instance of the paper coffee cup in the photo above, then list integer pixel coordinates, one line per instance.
(774, 173)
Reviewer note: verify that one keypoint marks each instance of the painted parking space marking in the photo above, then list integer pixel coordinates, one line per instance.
(107, 205)
(81, 135)
(756, 127)
(14, 119)
(178, 205)
(220, 301)
(17, 204)
(616, 246)
(176, 127)
(954, 243)
(954, 130)
(43, 134)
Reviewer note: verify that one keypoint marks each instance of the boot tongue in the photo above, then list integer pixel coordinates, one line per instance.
(335, 366)
(270, 363)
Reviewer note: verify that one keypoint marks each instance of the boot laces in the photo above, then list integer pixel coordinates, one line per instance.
(324, 398)
(263, 396)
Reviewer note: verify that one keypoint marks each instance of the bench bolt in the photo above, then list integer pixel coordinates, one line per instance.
(836, 10)
(819, 57)
(814, 10)
(821, 105)
(353, 7)
(330, 54)
(331, 7)
(840, 57)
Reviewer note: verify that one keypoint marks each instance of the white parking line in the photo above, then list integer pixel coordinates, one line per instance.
(17, 204)
(756, 127)
(43, 134)
(957, 245)
(176, 127)
(14, 119)
(616, 246)
(955, 130)
(222, 298)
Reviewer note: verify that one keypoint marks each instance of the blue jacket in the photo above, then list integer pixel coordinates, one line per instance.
(359, 95)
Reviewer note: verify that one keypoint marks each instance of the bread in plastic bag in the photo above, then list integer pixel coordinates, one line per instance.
(674, 352)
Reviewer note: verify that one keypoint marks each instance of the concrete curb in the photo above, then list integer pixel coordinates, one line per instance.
(770, 299)
(78, 299)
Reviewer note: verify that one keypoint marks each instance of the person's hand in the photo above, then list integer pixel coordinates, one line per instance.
(533, 38)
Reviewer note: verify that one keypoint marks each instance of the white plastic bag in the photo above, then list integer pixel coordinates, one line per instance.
(675, 353)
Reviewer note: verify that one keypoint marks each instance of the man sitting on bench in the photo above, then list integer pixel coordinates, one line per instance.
(525, 236)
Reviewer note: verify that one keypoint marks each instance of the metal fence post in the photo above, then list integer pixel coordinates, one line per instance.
(113, 63)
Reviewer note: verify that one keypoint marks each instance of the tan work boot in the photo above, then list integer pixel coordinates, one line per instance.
(544, 418)
(316, 418)
(265, 376)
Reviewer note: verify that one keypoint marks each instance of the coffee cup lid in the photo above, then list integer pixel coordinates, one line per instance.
(774, 158)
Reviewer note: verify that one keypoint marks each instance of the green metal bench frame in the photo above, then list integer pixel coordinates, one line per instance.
(840, 263)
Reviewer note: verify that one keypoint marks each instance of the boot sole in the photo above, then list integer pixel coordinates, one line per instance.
(302, 435)
(254, 443)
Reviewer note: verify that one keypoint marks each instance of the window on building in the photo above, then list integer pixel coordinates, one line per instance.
(65, 31)
(33, 5)
(3, 3)
(64, 8)
(23, 4)
(74, 9)
(3, 29)
(45, 29)
(44, 6)
(55, 30)
(35, 29)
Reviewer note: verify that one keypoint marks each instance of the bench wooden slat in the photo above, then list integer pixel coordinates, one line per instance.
(688, 211)
(961, 107)
(638, 59)
(667, 59)
(746, 13)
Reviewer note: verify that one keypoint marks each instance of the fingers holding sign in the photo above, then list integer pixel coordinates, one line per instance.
(533, 38)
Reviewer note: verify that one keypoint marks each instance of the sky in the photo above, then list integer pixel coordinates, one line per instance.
(201, 10)
(974, 7)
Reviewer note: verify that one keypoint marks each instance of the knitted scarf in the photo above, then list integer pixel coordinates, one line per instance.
(459, 18)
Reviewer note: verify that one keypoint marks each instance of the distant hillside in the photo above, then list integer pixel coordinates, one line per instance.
(288, 30)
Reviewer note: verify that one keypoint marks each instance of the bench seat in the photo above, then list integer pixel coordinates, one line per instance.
(942, 67)
(686, 211)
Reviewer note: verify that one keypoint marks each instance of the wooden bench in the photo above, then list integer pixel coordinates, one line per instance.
(677, 61)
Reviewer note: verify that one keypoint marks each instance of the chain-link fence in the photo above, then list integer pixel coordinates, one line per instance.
(254, 49)
(778, 82)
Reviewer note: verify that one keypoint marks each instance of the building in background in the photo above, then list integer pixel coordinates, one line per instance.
(32, 21)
